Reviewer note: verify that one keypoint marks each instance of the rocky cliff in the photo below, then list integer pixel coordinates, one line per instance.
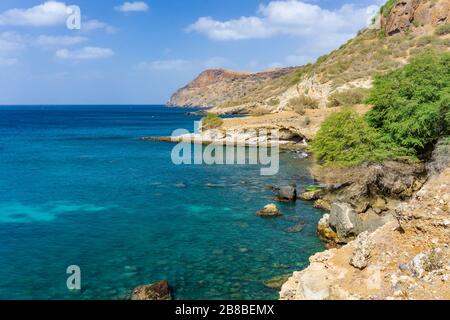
(217, 86)
(408, 258)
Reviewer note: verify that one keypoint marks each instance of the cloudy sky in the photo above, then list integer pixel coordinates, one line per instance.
(141, 52)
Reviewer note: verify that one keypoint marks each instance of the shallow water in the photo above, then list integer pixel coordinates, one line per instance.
(78, 188)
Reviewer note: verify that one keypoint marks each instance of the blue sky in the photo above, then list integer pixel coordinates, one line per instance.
(139, 52)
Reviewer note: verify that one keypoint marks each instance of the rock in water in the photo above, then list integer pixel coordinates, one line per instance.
(276, 282)
(297, 228)
(269, 211)
(287, 194)
(156, 291)
(361, 255)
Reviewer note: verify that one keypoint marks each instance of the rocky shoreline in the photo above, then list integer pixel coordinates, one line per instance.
(406, 258)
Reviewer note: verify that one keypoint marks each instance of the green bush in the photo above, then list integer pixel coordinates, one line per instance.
(345, 139)
(301, 103)
(348, 98)
(411, 104)
(387, 8)
(443, 29)
(211, 121)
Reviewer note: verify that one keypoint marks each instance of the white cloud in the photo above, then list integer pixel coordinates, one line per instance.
(64, 41)
(92, 25)
(49, 13)
(137, 6)
(11, 42)
(289, 17)
(165, 65)
(86, 53)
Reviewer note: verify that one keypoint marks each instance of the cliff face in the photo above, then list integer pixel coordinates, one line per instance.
(408, 14)
(405, 31)
(408, 259)
(216, 86)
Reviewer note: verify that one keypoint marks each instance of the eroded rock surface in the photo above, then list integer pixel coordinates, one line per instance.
(405, 259)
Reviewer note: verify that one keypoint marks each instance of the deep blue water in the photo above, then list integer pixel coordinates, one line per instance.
(77, 187)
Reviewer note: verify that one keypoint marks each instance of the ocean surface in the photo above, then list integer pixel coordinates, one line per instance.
(78, 187)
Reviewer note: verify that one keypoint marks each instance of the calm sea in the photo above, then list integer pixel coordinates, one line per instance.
(78, 187)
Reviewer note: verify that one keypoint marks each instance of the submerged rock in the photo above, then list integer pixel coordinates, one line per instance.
(276, 282)
(156, 291)
(271, 210)
(297, 228)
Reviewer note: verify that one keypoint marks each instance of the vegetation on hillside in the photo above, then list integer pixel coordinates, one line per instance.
(411, 105)
(346, 139)
(348, 97)
(411, 112)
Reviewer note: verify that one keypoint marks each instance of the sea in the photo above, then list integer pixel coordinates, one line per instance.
(79, 187)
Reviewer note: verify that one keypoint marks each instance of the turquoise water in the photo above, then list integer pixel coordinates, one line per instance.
(77, 187)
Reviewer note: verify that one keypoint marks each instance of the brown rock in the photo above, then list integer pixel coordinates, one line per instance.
(157, 291)
(269, 211)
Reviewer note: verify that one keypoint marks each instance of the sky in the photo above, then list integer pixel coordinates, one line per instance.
(140, 52)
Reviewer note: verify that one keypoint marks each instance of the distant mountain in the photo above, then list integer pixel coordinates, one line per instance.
(403, 29)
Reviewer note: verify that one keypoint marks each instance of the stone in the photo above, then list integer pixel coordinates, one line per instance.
(324, 230)
(379, 205)
(416, 266)
(345, 221)
(361, 254)
(271, 210)
(156, 291)
(322, 205)
(287, 194)
(311, 195)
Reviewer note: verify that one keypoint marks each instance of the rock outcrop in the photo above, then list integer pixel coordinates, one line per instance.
(409, 14)
(405, 259)
(269, 211)
(156, 291)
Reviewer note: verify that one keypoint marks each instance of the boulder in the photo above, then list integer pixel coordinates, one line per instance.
(345, 221)
(325, 232)
(361, 254)
(297, 228)
(287, 194)
(269, 211)
(156, 291)
(276, 282)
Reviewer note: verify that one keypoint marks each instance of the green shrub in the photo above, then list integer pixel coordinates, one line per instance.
(387, 8)
(348, 98)
(443, 29)
(301, 103)
(211, 121)
(345, 139)
(411, 104)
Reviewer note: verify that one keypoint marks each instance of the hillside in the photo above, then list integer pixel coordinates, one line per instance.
(402, 30)
(218, 86)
